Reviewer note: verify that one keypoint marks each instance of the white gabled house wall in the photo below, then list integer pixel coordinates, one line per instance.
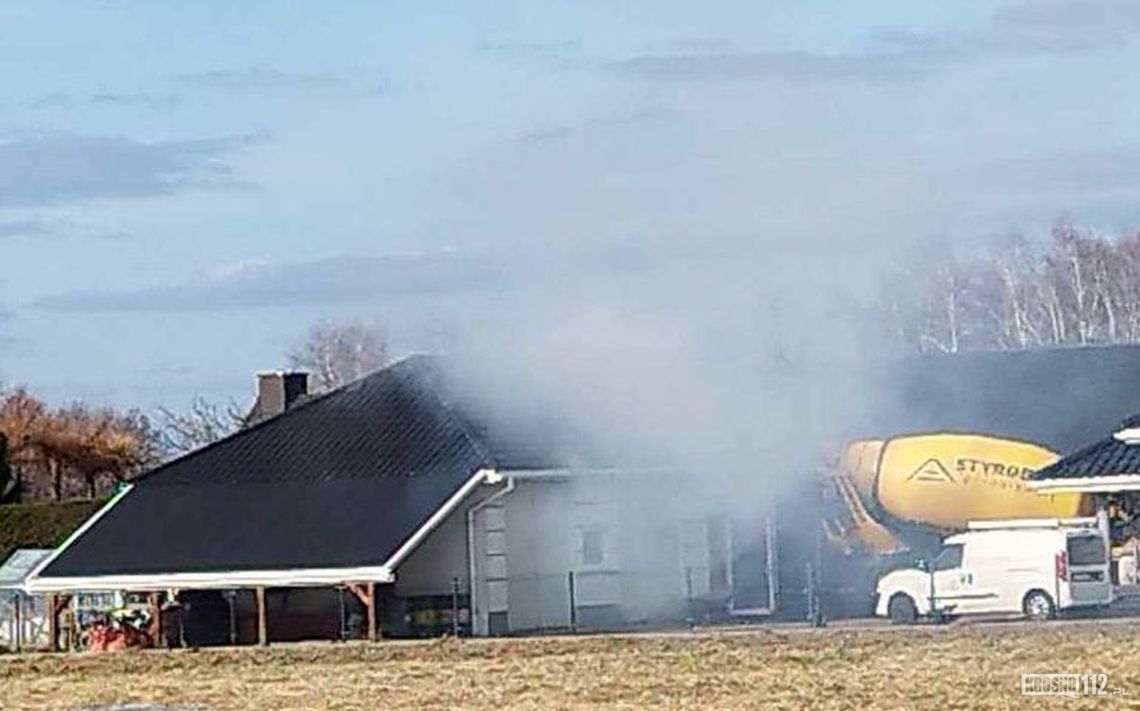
(639, 552)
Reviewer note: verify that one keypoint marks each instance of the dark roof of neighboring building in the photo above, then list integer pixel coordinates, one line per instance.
(1062, 398)
(339, 480)
(1108, 457)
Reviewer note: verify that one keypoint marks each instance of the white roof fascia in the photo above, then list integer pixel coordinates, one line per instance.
(1128, 435)
(481, 476)
(1089, 485)
(77, 533)
(566, 472)
(219, 580)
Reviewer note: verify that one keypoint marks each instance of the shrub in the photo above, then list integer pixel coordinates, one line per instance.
(41, 525)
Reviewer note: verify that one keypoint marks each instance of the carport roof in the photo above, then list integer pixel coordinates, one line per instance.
(19, 565)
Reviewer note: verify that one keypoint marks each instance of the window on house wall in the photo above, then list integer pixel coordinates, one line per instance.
(591, 546)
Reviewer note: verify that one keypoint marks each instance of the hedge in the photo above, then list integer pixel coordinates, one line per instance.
(41, 525)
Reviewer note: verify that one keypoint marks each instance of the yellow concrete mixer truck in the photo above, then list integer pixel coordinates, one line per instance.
(888, 501)
(936, 482)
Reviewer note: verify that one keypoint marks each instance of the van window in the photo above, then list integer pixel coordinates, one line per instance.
(1086, 550)
(950, 557)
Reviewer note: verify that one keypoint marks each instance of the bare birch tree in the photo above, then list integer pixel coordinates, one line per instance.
(1081, 288)
(336, 353)
(202, 424)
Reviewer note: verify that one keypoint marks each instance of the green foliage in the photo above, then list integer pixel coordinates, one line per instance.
(43, 525)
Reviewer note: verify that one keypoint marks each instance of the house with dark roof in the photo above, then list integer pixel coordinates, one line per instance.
(395, 503)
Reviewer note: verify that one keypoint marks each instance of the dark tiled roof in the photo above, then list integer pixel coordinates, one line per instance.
(1063, 398)
(340, 480)
(1107, 457)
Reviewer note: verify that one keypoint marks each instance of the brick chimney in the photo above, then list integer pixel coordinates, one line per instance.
(277, 391)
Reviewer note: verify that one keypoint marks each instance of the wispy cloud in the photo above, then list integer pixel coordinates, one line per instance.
(548, 134)
(59, 228)
(52, 168)
(558, 54)
(529, 49)
(792, 66)
(262, 284)
(1069, 171)
(551, 133)
(256, 78)
(116, 236)
(65, 101)
(1030, 27)
(34, 227)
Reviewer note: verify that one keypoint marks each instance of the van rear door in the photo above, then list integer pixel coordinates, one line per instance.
(1084, 568)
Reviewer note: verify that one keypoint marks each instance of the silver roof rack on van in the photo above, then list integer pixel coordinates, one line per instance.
(1085, 522)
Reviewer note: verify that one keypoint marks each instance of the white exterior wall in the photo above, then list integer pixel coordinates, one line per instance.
(632, 572)
(638, 546)
(539, 549)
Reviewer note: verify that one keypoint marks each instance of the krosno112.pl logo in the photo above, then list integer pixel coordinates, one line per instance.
(1071, 685)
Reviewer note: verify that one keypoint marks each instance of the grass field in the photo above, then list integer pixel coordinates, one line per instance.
(962, 667)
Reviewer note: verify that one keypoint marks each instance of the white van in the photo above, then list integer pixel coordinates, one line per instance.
(1033, 567)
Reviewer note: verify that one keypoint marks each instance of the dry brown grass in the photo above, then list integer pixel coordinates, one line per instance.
(963, 667)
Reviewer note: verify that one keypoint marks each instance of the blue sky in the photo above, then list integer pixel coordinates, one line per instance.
(184, 187)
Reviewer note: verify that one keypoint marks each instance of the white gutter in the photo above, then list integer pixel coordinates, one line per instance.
(471, 572)
(30, 580)
(483, 476)
(567, 472)
(299, 577)
(1087, 485)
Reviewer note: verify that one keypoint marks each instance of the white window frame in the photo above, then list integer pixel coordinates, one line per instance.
(605, 534)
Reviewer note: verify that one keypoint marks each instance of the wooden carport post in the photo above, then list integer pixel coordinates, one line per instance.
(154, 627)
(53, 624)
(371, 612)
(367, 596)
(262, 619)
(55, 605)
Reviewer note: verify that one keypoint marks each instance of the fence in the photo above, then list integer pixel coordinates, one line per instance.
(23, 622)
(608, 599)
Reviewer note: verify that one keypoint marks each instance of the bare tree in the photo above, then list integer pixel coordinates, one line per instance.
(1128, 288)
(1070, 265)
(1081, 288)
(939, 302)
(1020, 309)
(9, 484)
(202, 424)
(336, 353)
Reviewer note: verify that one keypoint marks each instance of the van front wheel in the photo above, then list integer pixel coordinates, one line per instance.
(901, 610)
(1038, 606)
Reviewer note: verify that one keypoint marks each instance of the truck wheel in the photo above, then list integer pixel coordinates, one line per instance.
(901, 610)
(1038, 606)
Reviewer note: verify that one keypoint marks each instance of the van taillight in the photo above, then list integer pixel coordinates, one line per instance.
(1061, 562)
